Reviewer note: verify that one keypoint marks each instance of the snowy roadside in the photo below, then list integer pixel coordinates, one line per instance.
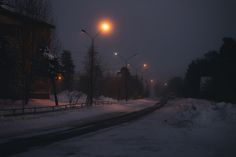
(183, 127)
(28, 125)
(63, 97)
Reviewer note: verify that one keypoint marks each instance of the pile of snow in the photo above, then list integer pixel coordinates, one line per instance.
(187, 112)
(173, 130)
(103, 98)
(28, 124)
(65, 97)
(70, 96)
(77, 97)
(12, 104)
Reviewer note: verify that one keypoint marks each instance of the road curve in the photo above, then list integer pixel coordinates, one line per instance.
(19, 145)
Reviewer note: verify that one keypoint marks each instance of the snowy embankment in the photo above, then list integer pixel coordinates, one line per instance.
(187, 112)
(64, 98)
(28, 125)
(183, 127)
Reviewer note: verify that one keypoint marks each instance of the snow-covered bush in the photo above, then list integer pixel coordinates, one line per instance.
(71, 97)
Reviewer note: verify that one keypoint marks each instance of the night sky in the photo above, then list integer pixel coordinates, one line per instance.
(167, 34)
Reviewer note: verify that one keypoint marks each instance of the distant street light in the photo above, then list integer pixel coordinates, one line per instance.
(151, 88)
(104, 27)
(151, 81)
(165, 84)
(137, 68)
(126, 68)
(144, 67)
(59, 78)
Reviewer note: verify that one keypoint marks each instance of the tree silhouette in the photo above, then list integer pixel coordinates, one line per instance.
(175, 86)
(68, 70)
(220, 67)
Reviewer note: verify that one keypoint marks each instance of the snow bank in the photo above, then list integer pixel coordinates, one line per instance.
(103, 98)
(28, 124)
(70, 96)
(76, 96)
(173, 130)
(201, 112)
(65, 97)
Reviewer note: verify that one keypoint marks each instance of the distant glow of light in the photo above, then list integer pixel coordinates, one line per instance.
(59, 78)
(152, 81)
(115, 53)
(105, 26)
(145, 65)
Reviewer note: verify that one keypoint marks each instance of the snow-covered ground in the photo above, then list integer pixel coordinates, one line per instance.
(63, 98)
(28, 125)
(182, 128)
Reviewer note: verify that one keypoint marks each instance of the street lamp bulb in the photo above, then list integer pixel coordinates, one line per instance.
(145, 65)
(59, 78)
(105, 26)
(116, 53)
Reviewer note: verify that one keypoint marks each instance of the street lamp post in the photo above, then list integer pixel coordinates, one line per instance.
(141, 68)
(104, 27)
(144, 67)
(89, 100)
(126, 70)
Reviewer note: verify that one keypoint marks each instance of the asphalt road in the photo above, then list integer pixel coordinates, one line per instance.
(20, 145)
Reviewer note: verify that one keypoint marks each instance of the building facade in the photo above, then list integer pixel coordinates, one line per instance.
(24, 70)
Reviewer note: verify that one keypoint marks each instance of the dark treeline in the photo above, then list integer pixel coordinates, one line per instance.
(117, 86)
(213, 76)
(113, 86)
(68, 71)
(210, 77)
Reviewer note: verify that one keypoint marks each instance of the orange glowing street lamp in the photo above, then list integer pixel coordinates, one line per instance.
(104, 27)
(151, 81)
(59, 77)
(145, 66)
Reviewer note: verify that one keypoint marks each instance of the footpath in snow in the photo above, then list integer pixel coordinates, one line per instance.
(183, 127)
(29, 125)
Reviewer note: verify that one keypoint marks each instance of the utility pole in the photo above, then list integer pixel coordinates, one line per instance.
(54, 88)
(105, 26)
(91, 79)
(126, 81)
(91, 83)
(126, 71)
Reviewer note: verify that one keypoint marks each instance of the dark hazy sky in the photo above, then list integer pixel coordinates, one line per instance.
(168, 34)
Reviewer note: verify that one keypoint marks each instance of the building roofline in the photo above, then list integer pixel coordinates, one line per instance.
(10, 12)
